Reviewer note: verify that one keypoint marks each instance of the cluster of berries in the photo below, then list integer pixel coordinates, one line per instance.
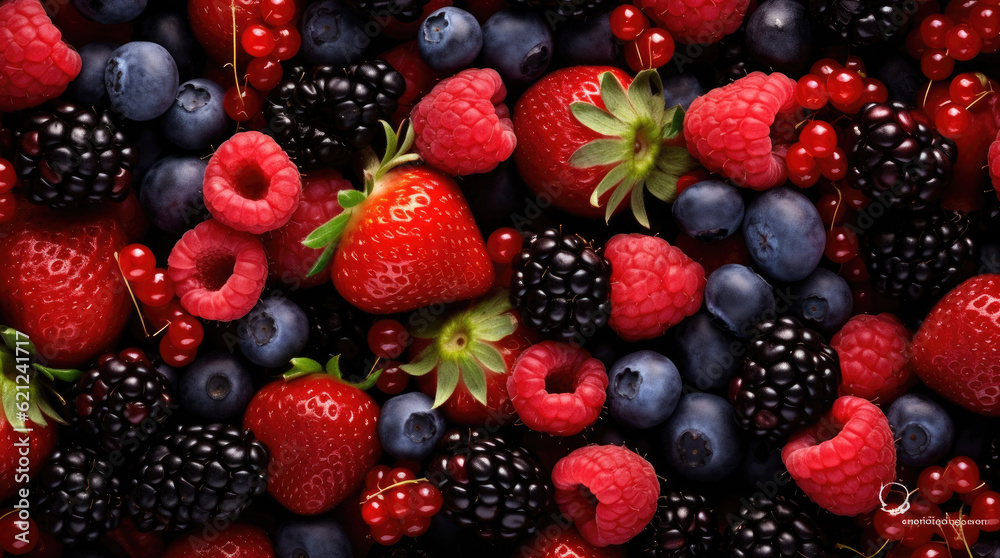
(396, 503)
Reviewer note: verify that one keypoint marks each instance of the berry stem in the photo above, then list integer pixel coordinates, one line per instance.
(394, 485)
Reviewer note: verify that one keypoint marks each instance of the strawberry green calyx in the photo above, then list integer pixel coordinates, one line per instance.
(306, 366)
(328, 234)
(637, 124)
(26, 385)
(463, 347)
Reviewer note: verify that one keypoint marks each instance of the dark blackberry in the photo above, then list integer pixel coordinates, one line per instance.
(337, 328)
(495, 489)
(78, 495)
(403, 10)
(989, 461)
(196, 474)
(323, 115)
(560, 286)
(559, 11)
(898, 157)
(918, 256)
(788, 379)
(121, 403)
(774, 527)
(684, 526)
(406, 548)
(863, 22)
(69, 155)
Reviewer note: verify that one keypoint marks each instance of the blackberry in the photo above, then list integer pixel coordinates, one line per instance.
(196, 474)
(989, 461)
(402, 10)
(774, 527)
(69, 155)
(489, 486)
(898, 157)
(121, 402)
(337, 328)
(560, 285)
(918, 256)
(684, 526)
(323, 115)
(406, 548)
(788, 379)
(862, 22)
(559, 11)
(78, 495)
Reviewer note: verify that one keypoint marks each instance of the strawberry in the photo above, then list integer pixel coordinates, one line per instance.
(321, 432)
(463, 360)
(233, 541)
(60, 283)
(955, 350)
(586, 142)
(408, 240)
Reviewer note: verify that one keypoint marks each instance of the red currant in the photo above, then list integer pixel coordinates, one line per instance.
(855, 270)
(277, 12)
(845, 86)
(819, 138)
(856, 64)
(861, 295)
(18, 534)
(888, 526)
(628, 22)
(653, 49)
(137, 262)
(156, 290)
(986, 508)
(810, 92)
(8, 178)
(964, 88)
(963, 43)
(393, 379)
(175, 356)
(917, 533)
(242, 103)
(936, 64)
(952, 120)
(834, 167)
(428, 500)
(186, 332)
(374, 477)
(257, 41)
(387, 533)
(806, 179)
(831, 210)
(959, 535)
(932, 486)
(160, 317)
(504, 245)
(875, 91)
(399, 502)
(8, 206)
(985, 21)
(915, 46)
(855, 199)
(841, 245)
(824, 67)
(962, 474)
(934, 29)
(799, 160)
(415, 525)
(375, 511)
(287, 42)
(932, 550)
(388, 338)
(401, 474)
(264, 73)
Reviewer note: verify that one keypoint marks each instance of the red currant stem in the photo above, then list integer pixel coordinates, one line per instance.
(961, 528)
(845, 547)
(391, 486)
(236, 75)
(978, 98)
(135, 302)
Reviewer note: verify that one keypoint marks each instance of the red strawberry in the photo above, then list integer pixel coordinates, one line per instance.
(586, 143)
(234, 541)
(322, 435)
(561, 542)
(955, 351)
(409, 240)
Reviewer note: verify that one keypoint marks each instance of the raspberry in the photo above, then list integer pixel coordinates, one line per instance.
(743, 129)
(462, 125)
(557, 388)
(288, 259)
(653, 285)
(608, 492)
(218, 273)
(251, 185)
(696, 22)
(843, 461)
(35, 64)
(993, 158)
(874, 354)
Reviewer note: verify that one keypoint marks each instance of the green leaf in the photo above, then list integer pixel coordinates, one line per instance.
(609, 181)
(14, 339)
(63, 374)
(675, 161)
(329, 232)
(600, 152)
(333, 366)
(474, 378)
(322, 261)
(490, 308)
(489, 357)
(496, 328)
(615, 98)
(391, 142)
(447, 381)
(598, 119)
(349, 198)
(646, 92)
(662, 186)
(639, 206)
(302, 367)
(618, 197)
(674, 122)
(424, 363)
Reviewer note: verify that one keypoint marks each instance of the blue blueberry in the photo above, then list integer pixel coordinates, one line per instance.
(518, 45)
(589, 43)
(922, 428)
(681, 89)
(779, 35)
(171, 193)
(332, 34)
(88, 87)
(701, 440)
(141, 78)
(216, 386)
(823, 300)
(110, 12)
(738, 298)
(643, 389)
(784, 234)
(450, 39)
(409, 428)
(197, 118)
(312, 537)
(763, 468)
(172, 31)
(274, 332)
(706, 354)
(709, 210)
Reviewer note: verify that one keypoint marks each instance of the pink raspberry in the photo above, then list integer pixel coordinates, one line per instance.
(993, 158)
(288, 259)
(35, 64)
(609, 493)
(696, 21)
(743, 129)
(874, 356)
(653, 285)
(843, 461)
(218, 273)
(462, 125)
(557, 389)
(251, 185)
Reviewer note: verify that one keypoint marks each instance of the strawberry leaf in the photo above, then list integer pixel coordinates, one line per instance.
(329, 232)
(322, 261)
(639, 206)
(615, 98)
(599, 152)
(674, 119)
(610, 180)
(424, 363)
(447, 381)
(489, 357)
(597, 119)
(349, 198)
(474, 378)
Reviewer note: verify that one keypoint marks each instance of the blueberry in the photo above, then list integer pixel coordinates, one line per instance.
(709, 210)
(216, 386)
(589, 42)
(449, 39)
(922, 429)
(738, 297)
(779, 35)
(763, 468)
(784, 234)
(989, 258)
(332, 34)
(274, 332)
(701, 439)
(141, 79)
(172, 31)
(197, 117)
(88, 87)
(643, 389)
(681, 89)
(312, 537)
(171, 193)
(409, 428)
(706, 354)
(168, 372)
(823, 300)
(110, 12)
(518, 45)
